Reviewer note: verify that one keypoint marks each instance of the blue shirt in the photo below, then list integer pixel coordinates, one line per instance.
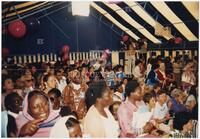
(176, 107)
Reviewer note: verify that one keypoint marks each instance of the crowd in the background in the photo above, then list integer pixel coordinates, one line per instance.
(159, 99)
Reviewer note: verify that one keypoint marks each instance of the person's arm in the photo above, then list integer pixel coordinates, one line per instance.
(30, 128)
(124, 122)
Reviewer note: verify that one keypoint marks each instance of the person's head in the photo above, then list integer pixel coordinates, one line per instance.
(49, 81)
(138, 62)
(125, 81)
(55, 98)
(156, 88)
(188, 126)
(13, 102)
(191, 102)
(162, 96)
(120, 68)
(73, 128)
(58, 75)
(149, 99)
(38, 105)
(76, 77)
(8, 83)
(65, 111)
(28, 72)
(33, 69)
(114, 108)
(84, 70)
(28, 80)
(193, 91)
(178, 95)
(133, 90)
(99, 92)
(118, 88)
(91, 69)
(162, 66)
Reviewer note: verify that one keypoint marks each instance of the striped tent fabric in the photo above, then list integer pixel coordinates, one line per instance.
(136, 19)
(142, 19)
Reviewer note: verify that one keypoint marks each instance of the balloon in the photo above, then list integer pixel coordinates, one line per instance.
(17, 28)
(5, 52)
(65, 49)
(178, 40)
(32, 23)
(125, 38)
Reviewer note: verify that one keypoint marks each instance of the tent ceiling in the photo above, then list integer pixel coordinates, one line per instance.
(136, 19)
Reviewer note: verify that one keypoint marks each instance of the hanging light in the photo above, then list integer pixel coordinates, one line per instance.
(80, 8)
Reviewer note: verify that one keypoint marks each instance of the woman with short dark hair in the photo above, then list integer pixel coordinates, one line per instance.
(99, 122)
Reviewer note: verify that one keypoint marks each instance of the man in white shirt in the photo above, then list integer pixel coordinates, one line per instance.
(61, 81)
(137, 72)
(161, 112)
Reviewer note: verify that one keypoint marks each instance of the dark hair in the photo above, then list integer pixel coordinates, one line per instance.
(4, 78)
(193, 91)
(160, 92)
(38, 93)
(138, 62)
(56, 92)
(9, 99)
(131, 87)
(147, 97)
(181, 119)
(71, 122)
(46, 77)
(94, 91)
(65, 111)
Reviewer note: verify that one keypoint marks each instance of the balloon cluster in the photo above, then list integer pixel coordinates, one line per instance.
(65, 53)
(19, 28)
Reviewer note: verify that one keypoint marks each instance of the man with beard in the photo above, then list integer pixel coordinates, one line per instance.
(74, 94)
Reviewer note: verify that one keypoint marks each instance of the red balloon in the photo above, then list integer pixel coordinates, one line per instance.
(17, 28)
(5, 52)
(178, 40)
(125, 38)
(65, 49)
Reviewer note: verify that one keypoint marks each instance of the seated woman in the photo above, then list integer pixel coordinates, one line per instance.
(37, 116)
(177, 100)
(99, 122)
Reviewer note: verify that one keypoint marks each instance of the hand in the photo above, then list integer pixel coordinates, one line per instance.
(30, 128)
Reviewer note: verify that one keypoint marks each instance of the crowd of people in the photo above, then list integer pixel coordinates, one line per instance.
(159, 99)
